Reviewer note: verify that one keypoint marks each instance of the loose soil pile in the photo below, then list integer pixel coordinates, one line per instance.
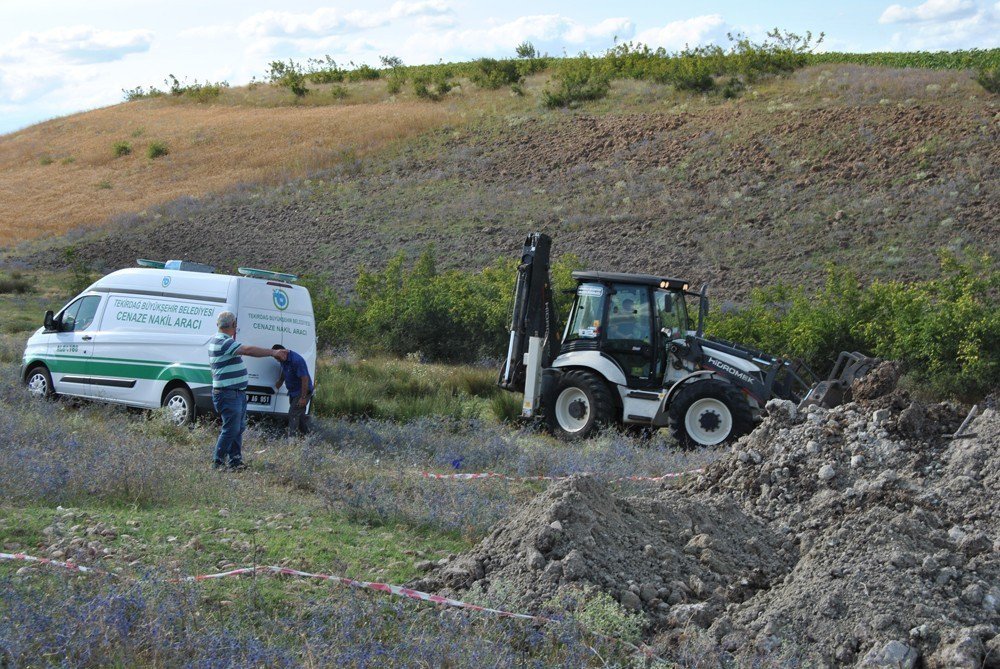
(861, 535)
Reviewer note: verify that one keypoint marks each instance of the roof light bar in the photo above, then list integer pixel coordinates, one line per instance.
(267, 274)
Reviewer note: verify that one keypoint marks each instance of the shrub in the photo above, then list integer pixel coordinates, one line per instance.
(156, 149)
(121, 148)
(432, 82)
(15, 283)
(80, 275)
(990, 80)
(363, 72)
(288, 75)
(451, 316)
(493, 74)
(139, 93)
(577, 80)
(396, 76)
(528, 59)
(196, 91)
(945, 330)
(324, 71)
(46, 160)
(601, 614)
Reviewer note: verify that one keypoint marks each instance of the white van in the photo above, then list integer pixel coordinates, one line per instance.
(138, 337)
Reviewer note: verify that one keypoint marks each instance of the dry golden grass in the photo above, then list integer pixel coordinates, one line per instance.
(63, 174)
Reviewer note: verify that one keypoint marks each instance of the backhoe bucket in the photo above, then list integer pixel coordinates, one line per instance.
(836, 389)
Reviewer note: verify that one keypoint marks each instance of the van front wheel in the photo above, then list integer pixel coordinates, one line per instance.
(39, 382)
(179, 404)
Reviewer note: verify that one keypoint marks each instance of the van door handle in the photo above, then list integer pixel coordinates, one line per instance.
(86, 337)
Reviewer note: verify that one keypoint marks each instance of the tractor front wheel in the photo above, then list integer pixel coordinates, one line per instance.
(709, 413)
(581, 405)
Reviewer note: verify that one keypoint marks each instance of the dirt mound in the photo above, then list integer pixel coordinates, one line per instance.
(893, 522)
(652, 554)
(862, 535)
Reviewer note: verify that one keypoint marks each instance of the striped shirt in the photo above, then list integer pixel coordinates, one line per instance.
(228, 370)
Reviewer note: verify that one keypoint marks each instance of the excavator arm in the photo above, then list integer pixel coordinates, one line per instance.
(534, 326)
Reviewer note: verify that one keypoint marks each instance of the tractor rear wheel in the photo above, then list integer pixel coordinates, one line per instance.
(581, 405)
(709, 413)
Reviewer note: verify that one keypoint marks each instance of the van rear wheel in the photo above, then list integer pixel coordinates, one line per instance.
(179, 404)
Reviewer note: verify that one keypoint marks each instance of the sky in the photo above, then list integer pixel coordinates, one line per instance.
(62, 56)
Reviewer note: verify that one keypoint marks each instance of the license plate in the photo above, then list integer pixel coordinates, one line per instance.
(258, 399)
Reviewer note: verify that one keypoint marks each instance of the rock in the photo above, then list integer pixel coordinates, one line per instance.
(647, 592)
(534, 558)
(463, 571)
(682, 615)
(966, 653)
(973, 594)
(827, 472)
(880, 417)
(630, 600)
(783, 410)
(857, 461)
(975, 544)
(424, 565)
(893, 655)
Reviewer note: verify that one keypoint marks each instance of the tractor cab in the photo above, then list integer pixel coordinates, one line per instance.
(631, 318)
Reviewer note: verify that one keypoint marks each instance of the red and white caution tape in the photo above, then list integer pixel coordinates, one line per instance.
(72, 566)
(397, 590)
(471, 476)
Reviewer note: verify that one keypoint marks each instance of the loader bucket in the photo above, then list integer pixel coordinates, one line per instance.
(836, 389)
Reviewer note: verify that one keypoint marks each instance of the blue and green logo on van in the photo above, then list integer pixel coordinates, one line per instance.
(165, 282)
(280, 298)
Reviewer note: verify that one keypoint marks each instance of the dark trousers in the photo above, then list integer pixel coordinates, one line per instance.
(231, 405)
(298, 419)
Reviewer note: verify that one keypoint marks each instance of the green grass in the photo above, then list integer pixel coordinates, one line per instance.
(391, 389)
(297, 533)
(23, 312)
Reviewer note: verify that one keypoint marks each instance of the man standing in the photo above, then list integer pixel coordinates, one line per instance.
(295, 376)
(229, 389)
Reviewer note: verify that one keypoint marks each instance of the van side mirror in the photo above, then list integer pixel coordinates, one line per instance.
(50, 320)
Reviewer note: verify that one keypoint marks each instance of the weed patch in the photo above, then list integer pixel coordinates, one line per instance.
(121, 148)
(156, 149)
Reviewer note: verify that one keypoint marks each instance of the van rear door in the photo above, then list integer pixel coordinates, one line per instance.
(273, 312)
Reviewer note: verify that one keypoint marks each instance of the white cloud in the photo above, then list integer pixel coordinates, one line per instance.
(931, 10)
(328, 20)
(947, 30)
(695, 31)
(77, 44)
(549, 33)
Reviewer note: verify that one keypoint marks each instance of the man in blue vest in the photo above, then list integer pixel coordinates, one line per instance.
(229, 388)
(295, 376)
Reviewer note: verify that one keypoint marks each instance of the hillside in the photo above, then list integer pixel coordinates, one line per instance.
(874, 168)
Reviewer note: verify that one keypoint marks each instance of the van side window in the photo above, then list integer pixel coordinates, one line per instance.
(79, 315)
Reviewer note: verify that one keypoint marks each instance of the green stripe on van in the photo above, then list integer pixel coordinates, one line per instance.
(128, 369)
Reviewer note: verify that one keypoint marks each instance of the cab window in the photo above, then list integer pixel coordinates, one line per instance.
(585, 321)
(79, 315)
(671, 313)
(628, 318)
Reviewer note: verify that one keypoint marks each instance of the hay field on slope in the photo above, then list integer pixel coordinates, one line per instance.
(64, 174)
